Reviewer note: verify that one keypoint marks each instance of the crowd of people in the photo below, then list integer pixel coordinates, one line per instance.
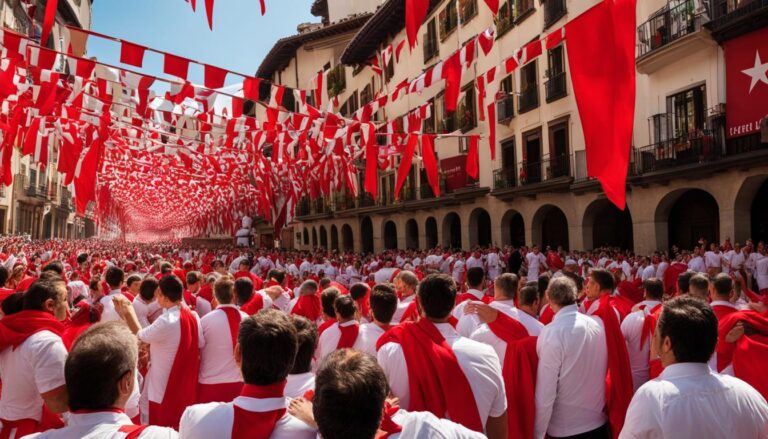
(108, 339)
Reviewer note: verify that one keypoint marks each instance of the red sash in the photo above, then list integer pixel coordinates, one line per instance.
(469, 297)
(547, 315)
(348, 336)
(132, 431)
(308, 306)
(16, 328)
(618, 382)
(723, 311)
(649, 324)
(388, 426)
(436, 382)
(257, 425)
(324, 326)
(190, 300)
(233, 319)
(254, 305)
(411, 313)
(750, 353)
(519, 370)
(181, 390)
(19, 428)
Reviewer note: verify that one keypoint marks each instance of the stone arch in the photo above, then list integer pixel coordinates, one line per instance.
(684, 216)
(366, 234)
(347, 238)
(430, 229)
(550, 227)
(411, 234)
(480, 228)
(334, 237)
(323, 237)
(751, 210)
(390, 235)
(452, 231)
(513, 229)
(314, 238)
(604, 225)
(306, 236)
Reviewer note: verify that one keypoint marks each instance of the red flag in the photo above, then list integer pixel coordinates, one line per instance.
(405, 163)
(415, 12)
(493, 5)
(452, 76)
(132, 54)
(371, 160)
(251, 88)
(532, 50)
(214, 77)
(209, 12)
(319, 89)
(492, 129)
(605, 89)
(176, 66)
(48, 20)
(473, 157)
(263, 8)
(430, 163)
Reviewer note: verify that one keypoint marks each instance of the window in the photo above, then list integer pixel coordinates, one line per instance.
(350, 105)
(559, 150)
(530, 171)
(389, 70)
(523, 9)
(529, 88)
(431, 47)
(429, 123)
(446, 123)
(553, 11)
(555, 86)
(337, 81)
(504, 19)
(505, 100)
(688, 111)
(467, 108)
(366, 96)
(449, 19)
(467, 10)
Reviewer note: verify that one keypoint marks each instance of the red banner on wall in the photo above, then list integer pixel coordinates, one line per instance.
(455, 171)
(746, 74)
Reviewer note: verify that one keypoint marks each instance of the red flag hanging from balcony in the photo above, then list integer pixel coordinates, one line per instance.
(405, 163)
(430, 162)
(415, 13)
(209, 12)
(473, 157)
(605, 89)
(493, 5)
(48, 20)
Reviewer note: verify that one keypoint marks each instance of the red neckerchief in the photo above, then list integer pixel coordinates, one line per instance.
(749, 354)
(249, 425)
(233, 320)
(348, 336)
(308, 306)
(15, 329)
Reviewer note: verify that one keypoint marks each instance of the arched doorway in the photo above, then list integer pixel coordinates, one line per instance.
(366, 234)
(323, 238)
(479, 228)
(604, 225)
(390, 235)
(431, 232)
(452, 231)
(513, 229)
(685, 216)
(314, 238)
(334, 238)
(306, 236)
(759, 214)
(347, 240)
(411, 234)
(751, 210)
(550, 227)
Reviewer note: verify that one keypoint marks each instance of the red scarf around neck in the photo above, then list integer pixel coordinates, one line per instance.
(750, 353)
(233, 320)
(308, 306)
(436, 382)
(15, 329)
(521, 363)
(247, 424)
(348, 336)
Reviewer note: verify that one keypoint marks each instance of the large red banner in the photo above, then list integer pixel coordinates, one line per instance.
(746, 74)
(455, 170)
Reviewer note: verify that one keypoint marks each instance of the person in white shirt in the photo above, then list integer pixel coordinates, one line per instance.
(406, 284)
(713, 260)
(114, 278)
(342, 334)
(32, 359)
(573, 362)
(536, 261)
(459, 266)
(477, 362)
(688, 400)
(639, 343)
(76, 288)
(220, 378)
(493, 263)
(101, 366)
(266, 351)
(475, 261)
(301, 379)
(761, 273)
(352, 383)
(383, 306)
(146, 307)
(200, 305)
(475, 285)
(649, 271)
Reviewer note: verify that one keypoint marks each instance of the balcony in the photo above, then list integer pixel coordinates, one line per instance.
(553, 11)
(555, 87)
(504, 178)
(505, 109)
(343, 201)
(431, 48)
(550, 174)
(529, 99)
(697, 148)
(39, 192)
(660, 40)
(732, 18)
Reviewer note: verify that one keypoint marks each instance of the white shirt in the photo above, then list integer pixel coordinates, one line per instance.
(473, 262)
(632, 329)
(299, 384)
(384, 276)
(762, 273)
(33, 368)
(737, 261)
(402, 306)
(689, 401)
(663, 265)
(458, 269)
(214, 420)
(217, 357)
(478, 361)
(696, 264)
(77, 288)
(570, 383)
(102, 425)
(368, 337)
(458, 311)
(329, 339)
(484, 334)
(202, 306)
(713, 260)
(163, 338)
(146, 312)
(425, 425)
(535, 262)
(108, 314)
(648, 272)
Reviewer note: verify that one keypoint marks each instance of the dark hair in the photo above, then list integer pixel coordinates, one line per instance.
(691, 326)
(723, 285)
(358, 290)
(40, 291)
(148, 287)
(114, 277)
(194, 277)
(13, 303)
(172, 288)
(82, 258)
(3, 276)
(327, 299)
(654, 288)
(543, 283)
(383, 303)
(683, 281)
(475, 277)
(276, 274)
(166, 267)
(132, 279)
(603, 278)
(437, 295)
(245, 261)
(578, 280)
(308, 286)
(94, 284)
(345, 307)
(324, 283)
(507, 283)
(306, 332)
(351, 383)
(100, 357)
(528, 295)
(268, 346)
(243, 290)
(224, 290)
(56, 267)
(700, 283)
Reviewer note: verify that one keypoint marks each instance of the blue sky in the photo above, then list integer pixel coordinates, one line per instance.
(240, 39)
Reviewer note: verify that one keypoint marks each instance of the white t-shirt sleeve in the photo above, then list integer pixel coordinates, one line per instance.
(48, 363)
(154, 332)
(392, 360)
(643, 420)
